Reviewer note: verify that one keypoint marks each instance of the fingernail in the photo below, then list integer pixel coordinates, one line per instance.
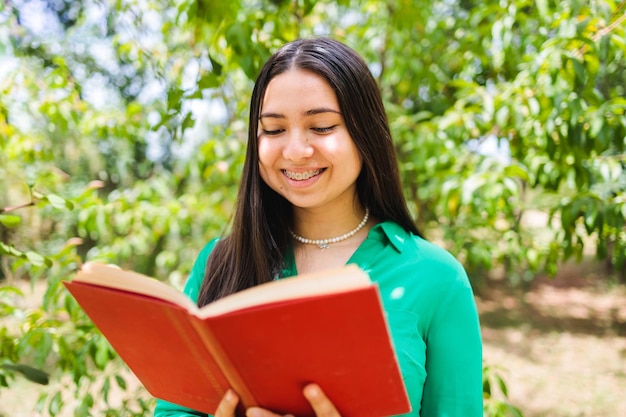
(254, 412)
(230, 396)
(311, 391)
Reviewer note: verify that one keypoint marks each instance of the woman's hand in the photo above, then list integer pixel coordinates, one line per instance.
(227, 406)
(320, 403)
(322, 406)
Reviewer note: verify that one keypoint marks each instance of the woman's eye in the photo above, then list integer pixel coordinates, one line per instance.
(272, 132)
(323, 129)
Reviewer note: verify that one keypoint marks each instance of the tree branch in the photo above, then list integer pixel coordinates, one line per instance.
(8, 209)
(605, 30)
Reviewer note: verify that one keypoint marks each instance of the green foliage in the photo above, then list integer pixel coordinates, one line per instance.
(123, 129)
(9, 352)
(496, 394)
(30, 373)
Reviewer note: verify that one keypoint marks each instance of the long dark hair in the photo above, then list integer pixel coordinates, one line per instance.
(253, 252)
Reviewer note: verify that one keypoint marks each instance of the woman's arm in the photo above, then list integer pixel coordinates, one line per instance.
(453, 385)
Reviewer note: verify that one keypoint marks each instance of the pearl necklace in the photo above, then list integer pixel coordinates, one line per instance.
(325, 243)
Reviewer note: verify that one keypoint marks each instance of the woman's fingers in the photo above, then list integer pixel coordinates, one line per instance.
(227, 406)
(322, 406)
(320, 403)
(261, 412)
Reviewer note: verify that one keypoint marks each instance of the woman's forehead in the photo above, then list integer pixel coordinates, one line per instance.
(299, 90)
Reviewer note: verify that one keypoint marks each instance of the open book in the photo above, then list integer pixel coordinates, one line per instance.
(266, 342)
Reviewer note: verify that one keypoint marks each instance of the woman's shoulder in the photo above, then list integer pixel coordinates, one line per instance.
(426, 256)
(203, 255)
(195, 278)
(443, 267)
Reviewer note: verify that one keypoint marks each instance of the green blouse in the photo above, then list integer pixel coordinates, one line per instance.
(432, 318)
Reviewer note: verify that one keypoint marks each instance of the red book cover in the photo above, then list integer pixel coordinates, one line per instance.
(157, 342)
(266, 342)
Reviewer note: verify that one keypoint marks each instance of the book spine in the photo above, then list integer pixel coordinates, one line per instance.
(197, 353)
(203, 328)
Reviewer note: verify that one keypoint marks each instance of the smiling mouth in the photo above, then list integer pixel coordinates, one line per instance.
(302, 176)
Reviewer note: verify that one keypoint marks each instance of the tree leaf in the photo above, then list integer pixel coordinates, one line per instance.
(10, 220)
(55, 404)
(35, 258)
(6, 249)
(121, 382)
(516, 171)
(58, 202)
(32, 374)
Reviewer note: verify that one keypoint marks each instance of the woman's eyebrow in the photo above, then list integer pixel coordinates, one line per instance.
(272, 115)
(320, 110)
(307, 113)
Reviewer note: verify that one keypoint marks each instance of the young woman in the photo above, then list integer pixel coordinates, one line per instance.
(321, 188)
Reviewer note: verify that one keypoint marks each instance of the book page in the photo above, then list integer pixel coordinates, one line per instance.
(331, 281)
(113, 277)
(308, 285)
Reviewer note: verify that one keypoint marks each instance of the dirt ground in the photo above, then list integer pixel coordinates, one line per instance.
(561, 342)
(561, 345)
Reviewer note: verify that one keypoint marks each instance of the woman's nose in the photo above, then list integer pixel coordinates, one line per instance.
(297, 146)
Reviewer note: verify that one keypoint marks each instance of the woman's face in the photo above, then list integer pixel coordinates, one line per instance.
(305, 151)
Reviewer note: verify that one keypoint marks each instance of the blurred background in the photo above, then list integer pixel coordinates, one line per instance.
(123, 125)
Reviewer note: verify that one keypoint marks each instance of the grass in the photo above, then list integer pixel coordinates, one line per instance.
(561, 342)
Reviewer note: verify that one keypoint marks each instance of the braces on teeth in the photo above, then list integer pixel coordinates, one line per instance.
(299, 176)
